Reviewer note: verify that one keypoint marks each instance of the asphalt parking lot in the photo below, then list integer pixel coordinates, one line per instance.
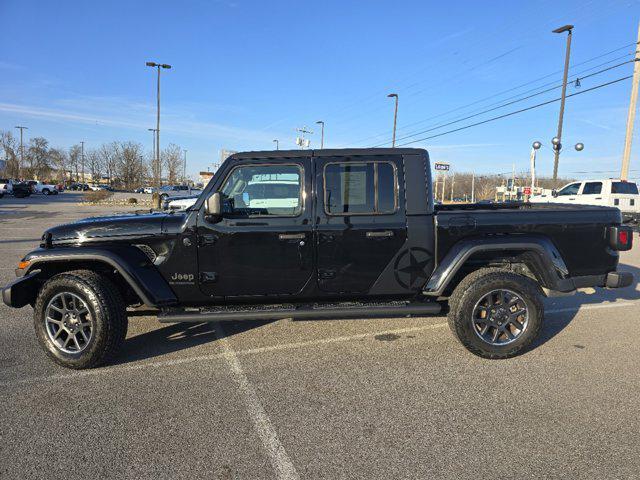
(384, 398)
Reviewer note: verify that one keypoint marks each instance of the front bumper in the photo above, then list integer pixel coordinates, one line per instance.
(22, 291)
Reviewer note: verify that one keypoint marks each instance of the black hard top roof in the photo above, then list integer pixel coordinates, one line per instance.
(329, 152)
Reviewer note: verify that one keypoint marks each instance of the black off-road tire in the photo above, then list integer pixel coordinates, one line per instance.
(108, 316)
(45, 191)
(472, 289)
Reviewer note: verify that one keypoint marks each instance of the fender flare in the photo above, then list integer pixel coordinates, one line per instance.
(541, 254)
(133, 265)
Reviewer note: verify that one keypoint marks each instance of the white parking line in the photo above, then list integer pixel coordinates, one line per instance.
(279, 458)
(274, 348)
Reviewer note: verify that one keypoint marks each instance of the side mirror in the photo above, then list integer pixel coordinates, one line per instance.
(212, 205)
(554, 193)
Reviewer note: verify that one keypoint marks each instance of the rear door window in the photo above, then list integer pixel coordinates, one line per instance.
(360, 188)
(592, 188)
(624, 187)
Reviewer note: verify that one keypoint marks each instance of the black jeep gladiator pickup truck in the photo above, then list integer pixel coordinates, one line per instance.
(317, 234)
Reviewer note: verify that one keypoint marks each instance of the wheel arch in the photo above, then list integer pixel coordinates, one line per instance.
(127, 267)
(534, 256)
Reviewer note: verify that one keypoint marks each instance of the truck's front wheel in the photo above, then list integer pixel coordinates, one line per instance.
(496, 313)
(80, 319)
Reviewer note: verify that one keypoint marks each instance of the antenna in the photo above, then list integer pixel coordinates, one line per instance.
(301, 141)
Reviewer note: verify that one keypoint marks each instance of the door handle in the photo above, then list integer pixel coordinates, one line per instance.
(292, 236)
(383, 234)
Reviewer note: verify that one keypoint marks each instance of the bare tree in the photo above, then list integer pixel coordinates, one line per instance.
(38, 158)
(94, 164)
(108, 159)
(130, 165)
(9, 148)
(172, 160)
(74, 160)
(60, 162)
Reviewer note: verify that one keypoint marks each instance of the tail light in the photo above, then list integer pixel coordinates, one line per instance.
(621, 237)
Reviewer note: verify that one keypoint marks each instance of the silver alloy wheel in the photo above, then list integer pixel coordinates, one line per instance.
(68, 322)
(500, 317)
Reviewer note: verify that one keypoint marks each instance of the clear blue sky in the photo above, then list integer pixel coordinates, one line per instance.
(246, 72)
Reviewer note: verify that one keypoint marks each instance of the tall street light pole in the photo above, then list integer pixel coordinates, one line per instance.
(320, 122)
(153, 149)
(277, 144)
(158, 66)
(395, 118)
(568, 29)
(82, 161)
(21, 145)
(184, 169)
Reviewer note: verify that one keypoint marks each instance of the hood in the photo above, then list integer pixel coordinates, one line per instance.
(117, 227)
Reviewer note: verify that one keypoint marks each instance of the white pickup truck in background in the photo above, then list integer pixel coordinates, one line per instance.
(609, 192)
(43, 188)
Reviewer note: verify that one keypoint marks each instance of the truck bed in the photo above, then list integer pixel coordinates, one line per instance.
(578, 231)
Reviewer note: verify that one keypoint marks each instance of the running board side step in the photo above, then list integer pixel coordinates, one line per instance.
(306, 312)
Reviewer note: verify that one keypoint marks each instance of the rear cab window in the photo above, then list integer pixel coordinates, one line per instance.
(628, 188)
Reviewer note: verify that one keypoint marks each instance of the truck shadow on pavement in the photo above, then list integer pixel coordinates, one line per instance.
(183, 336)
(176, 337)
(570, 305)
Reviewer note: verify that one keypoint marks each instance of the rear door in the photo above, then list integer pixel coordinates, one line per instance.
(592, 194)
(360, 220)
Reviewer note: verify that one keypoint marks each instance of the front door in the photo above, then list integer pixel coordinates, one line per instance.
(262, 244)
(361, 222)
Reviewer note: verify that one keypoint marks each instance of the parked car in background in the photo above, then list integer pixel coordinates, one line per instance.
(83, 187)
(139, 190)
(179, 203)
(608, 192)
(43, 188)
(178, 191)
(15, 188)
(148, 190)
(6, 186)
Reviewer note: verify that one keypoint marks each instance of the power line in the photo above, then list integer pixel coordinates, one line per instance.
(436, 127)
(515, 112)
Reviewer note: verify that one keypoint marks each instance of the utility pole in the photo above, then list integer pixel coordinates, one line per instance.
(301, 141)
(159, 165)
(395, 118)
(626, 156)
(568, 29)
(320, 122)
(82, 161)
(21, 146)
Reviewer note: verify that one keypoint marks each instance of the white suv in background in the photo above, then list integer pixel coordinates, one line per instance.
(609, 192)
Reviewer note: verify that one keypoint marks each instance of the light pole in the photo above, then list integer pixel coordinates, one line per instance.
(82, 160)
(21, 146)
(184, 169)
(534, 149)
(277, 144)
(320, 122)
(153, 132)
(558, 146)
(395, 118)
(158, 66)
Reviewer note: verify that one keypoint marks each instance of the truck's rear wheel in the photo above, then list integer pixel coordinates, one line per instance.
(496, 313)
(80, 319)
(45, 191)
